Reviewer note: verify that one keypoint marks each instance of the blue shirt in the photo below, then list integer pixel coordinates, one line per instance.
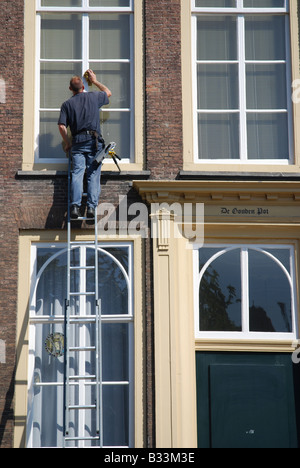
(81, 112)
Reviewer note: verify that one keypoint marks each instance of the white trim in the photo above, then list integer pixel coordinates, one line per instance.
(264, 162)
(84, 10)
(242, 87)
(246, 334)
(245, 289)
(195, 88)
(239, 9)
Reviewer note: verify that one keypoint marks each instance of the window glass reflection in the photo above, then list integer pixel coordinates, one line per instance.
(220, 294)
(269, 295)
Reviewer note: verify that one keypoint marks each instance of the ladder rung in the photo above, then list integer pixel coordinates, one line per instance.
(82, 268)
(69, 439)
(79, 319)
(86, 348)
(81, 407)
(84, 218)
(82, 377)
(83, 294)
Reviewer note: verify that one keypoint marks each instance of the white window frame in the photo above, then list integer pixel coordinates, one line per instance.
(246, 334)
(34, 320)
(240, 12)
(85, 10)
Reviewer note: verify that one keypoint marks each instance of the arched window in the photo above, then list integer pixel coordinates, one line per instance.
(248, 291)
(46, 371)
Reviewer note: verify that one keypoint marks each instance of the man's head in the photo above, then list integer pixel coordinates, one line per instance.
(76, 85)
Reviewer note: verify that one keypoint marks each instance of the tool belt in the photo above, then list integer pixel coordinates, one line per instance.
(98, 138)
(103, 151)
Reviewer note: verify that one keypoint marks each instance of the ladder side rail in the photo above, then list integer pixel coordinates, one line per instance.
(67, 315)
(98, 334)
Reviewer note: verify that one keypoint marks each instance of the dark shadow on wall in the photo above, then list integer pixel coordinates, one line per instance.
(8, 413)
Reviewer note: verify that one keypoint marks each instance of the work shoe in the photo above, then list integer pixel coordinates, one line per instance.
(91, 215)
(75, 212)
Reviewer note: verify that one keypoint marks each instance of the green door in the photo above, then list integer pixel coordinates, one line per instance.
(246, 400)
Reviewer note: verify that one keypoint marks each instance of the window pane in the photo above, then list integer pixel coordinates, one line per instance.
(218, 136)
(215, 3)
(116, 76)
(218, 87)
(220, 294)
(268, 136)
(51, 290)
(110, 3)
(48, 424)
(113, 289)
(264, 3)
(116, 415)
(55, 78)
(206, 254)
(61, 36)
(266, 86)
(116, 127)
(61, 3)
(217, 38)
(109, 37)
(265, 37)
(269, 295)
(47, 367)
(283, 255)
(115, 347)
(121, 254)
(50, 141)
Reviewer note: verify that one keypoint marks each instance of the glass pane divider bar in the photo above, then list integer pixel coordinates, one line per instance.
(105, 318)
(43, 60)
(78, 377)
(241, 11)
(102, 110)
(236, 111)
(84, 10)
(236, 62)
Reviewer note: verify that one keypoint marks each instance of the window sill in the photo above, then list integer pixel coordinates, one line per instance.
(46, 174)
(239, 168)
(245, 175)
(257, 346)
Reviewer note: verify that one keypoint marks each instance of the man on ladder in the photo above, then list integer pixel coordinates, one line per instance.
(81, 113)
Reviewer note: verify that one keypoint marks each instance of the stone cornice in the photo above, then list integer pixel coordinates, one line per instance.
(273, 192)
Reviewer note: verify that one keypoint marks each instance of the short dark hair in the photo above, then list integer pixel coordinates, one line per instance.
(72, 86)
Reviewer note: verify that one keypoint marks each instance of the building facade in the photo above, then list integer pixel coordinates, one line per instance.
(199, 234)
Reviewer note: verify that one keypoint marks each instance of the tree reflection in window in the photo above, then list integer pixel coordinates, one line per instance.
(220, 295)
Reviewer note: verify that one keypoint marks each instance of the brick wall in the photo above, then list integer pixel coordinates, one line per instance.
(164, 143)
(11, 110)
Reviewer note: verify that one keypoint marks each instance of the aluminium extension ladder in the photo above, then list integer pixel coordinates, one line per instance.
(93, 382)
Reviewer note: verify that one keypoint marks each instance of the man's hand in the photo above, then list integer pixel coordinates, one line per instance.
(64, 133)
(92, 76)
(93, 79)
(67, 148)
